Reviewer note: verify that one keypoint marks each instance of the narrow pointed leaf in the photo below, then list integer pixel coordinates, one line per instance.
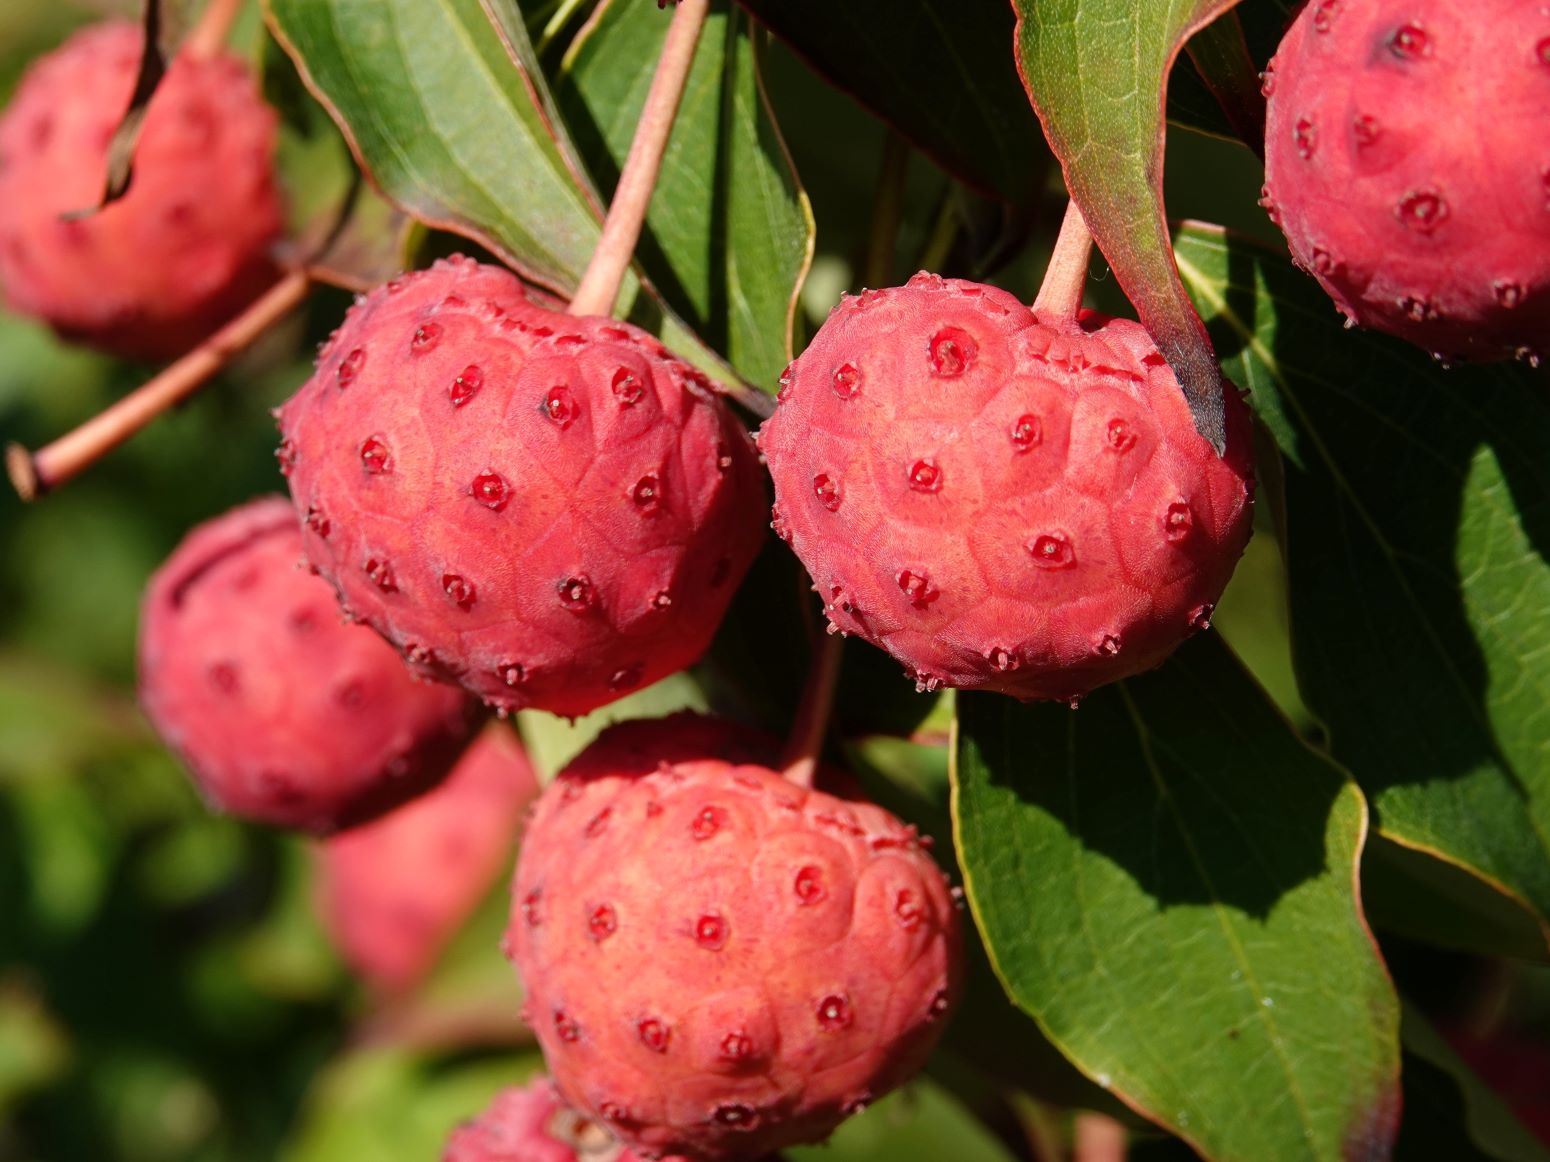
(729, 233)
(1096, 73)
(441, 119)
(946, 78)
(445, 113)
(1418, 523)
(1166, 880)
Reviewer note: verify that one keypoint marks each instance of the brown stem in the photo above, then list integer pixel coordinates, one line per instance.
(1060, 294)
(208, 37)
(800, 762)
(621, 229)
(944, 234)
(1099, 1138)
(887, 211)
(34, 473)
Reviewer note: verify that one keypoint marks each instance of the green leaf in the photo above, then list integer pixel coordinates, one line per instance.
(553, 741)
(439, 116)
(450, 120)
(1166, 881)
(1096, 74)
(1416, 895)
(1418, 517)
(920, 1123)
(729, 234)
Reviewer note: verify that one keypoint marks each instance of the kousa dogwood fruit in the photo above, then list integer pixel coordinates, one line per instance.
(718, 962)
(529, 1123)
(1407, 162)
(283, 713)
(551, 510)
(187, 247)
(1001, 501)
(395, 891)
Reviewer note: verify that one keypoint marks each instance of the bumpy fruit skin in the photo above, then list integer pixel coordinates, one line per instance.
(529, 1124)
(1406, 160)
(393, 892)
(550, 510)
(187, 247)
(999, 502)
(283, 714)
(717, 962)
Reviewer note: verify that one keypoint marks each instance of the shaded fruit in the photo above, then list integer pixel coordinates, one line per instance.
(187, 247)
(393, 892)
(1407, 162)
(1001, 502)
(283, 714)
(718, 962)
(552, 511)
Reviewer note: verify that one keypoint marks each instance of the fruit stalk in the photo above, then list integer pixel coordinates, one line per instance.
(800, 762)
(34, 473)
(208, 37)
(627, 213)
(1060, 294)
(887, 211)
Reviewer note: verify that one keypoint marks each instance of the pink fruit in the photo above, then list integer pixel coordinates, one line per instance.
(1001, 502)
(396, 890)
(187, 246)
(718, 962)
(550, 510)
(283, 714)
(528, 1124)
(1407, 161)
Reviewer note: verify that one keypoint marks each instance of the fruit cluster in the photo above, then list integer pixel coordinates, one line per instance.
(527, 508)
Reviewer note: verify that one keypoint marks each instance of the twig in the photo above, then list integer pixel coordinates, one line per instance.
(800, 762)
(944, 234)
(621, 230)
(1060, 294)
(208, 37)
(887, 211)
(34, 473)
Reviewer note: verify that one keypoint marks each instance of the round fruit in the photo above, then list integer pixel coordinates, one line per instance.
(718, 962)
(1003, 502)
(550, 510)
(528, 1124)
(1406, 160)
(187, 247)
(283, 714)
(395, 891)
